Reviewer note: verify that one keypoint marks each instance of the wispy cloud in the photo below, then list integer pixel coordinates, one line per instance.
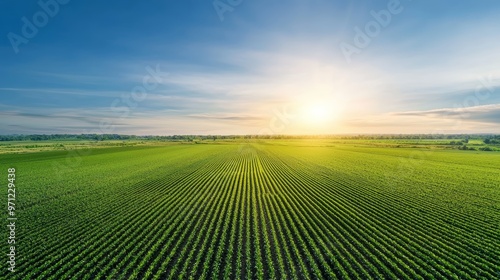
(486, 113)
(229, 117)
(64, 91)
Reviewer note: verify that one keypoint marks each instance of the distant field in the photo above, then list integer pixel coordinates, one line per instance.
(30, 146)
(275, 209)
(61, 145)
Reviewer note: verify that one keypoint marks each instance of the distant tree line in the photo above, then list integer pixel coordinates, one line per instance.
(494, 140)
(487, 138)
(103, 137)
(48, 137)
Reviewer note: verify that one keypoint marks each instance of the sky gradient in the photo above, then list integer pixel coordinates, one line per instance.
(249, 67)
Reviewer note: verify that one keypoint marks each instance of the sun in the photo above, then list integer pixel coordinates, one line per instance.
(318, 113)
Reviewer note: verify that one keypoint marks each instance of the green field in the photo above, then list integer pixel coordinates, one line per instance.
(276, 209)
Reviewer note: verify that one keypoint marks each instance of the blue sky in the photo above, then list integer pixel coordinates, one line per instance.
(249, 67)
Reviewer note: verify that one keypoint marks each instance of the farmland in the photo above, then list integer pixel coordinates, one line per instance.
(262, 209)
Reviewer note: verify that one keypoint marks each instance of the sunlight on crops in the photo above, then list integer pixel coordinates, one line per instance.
(271, 209)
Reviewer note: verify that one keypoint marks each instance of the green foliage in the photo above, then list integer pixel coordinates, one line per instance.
(273, 209)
